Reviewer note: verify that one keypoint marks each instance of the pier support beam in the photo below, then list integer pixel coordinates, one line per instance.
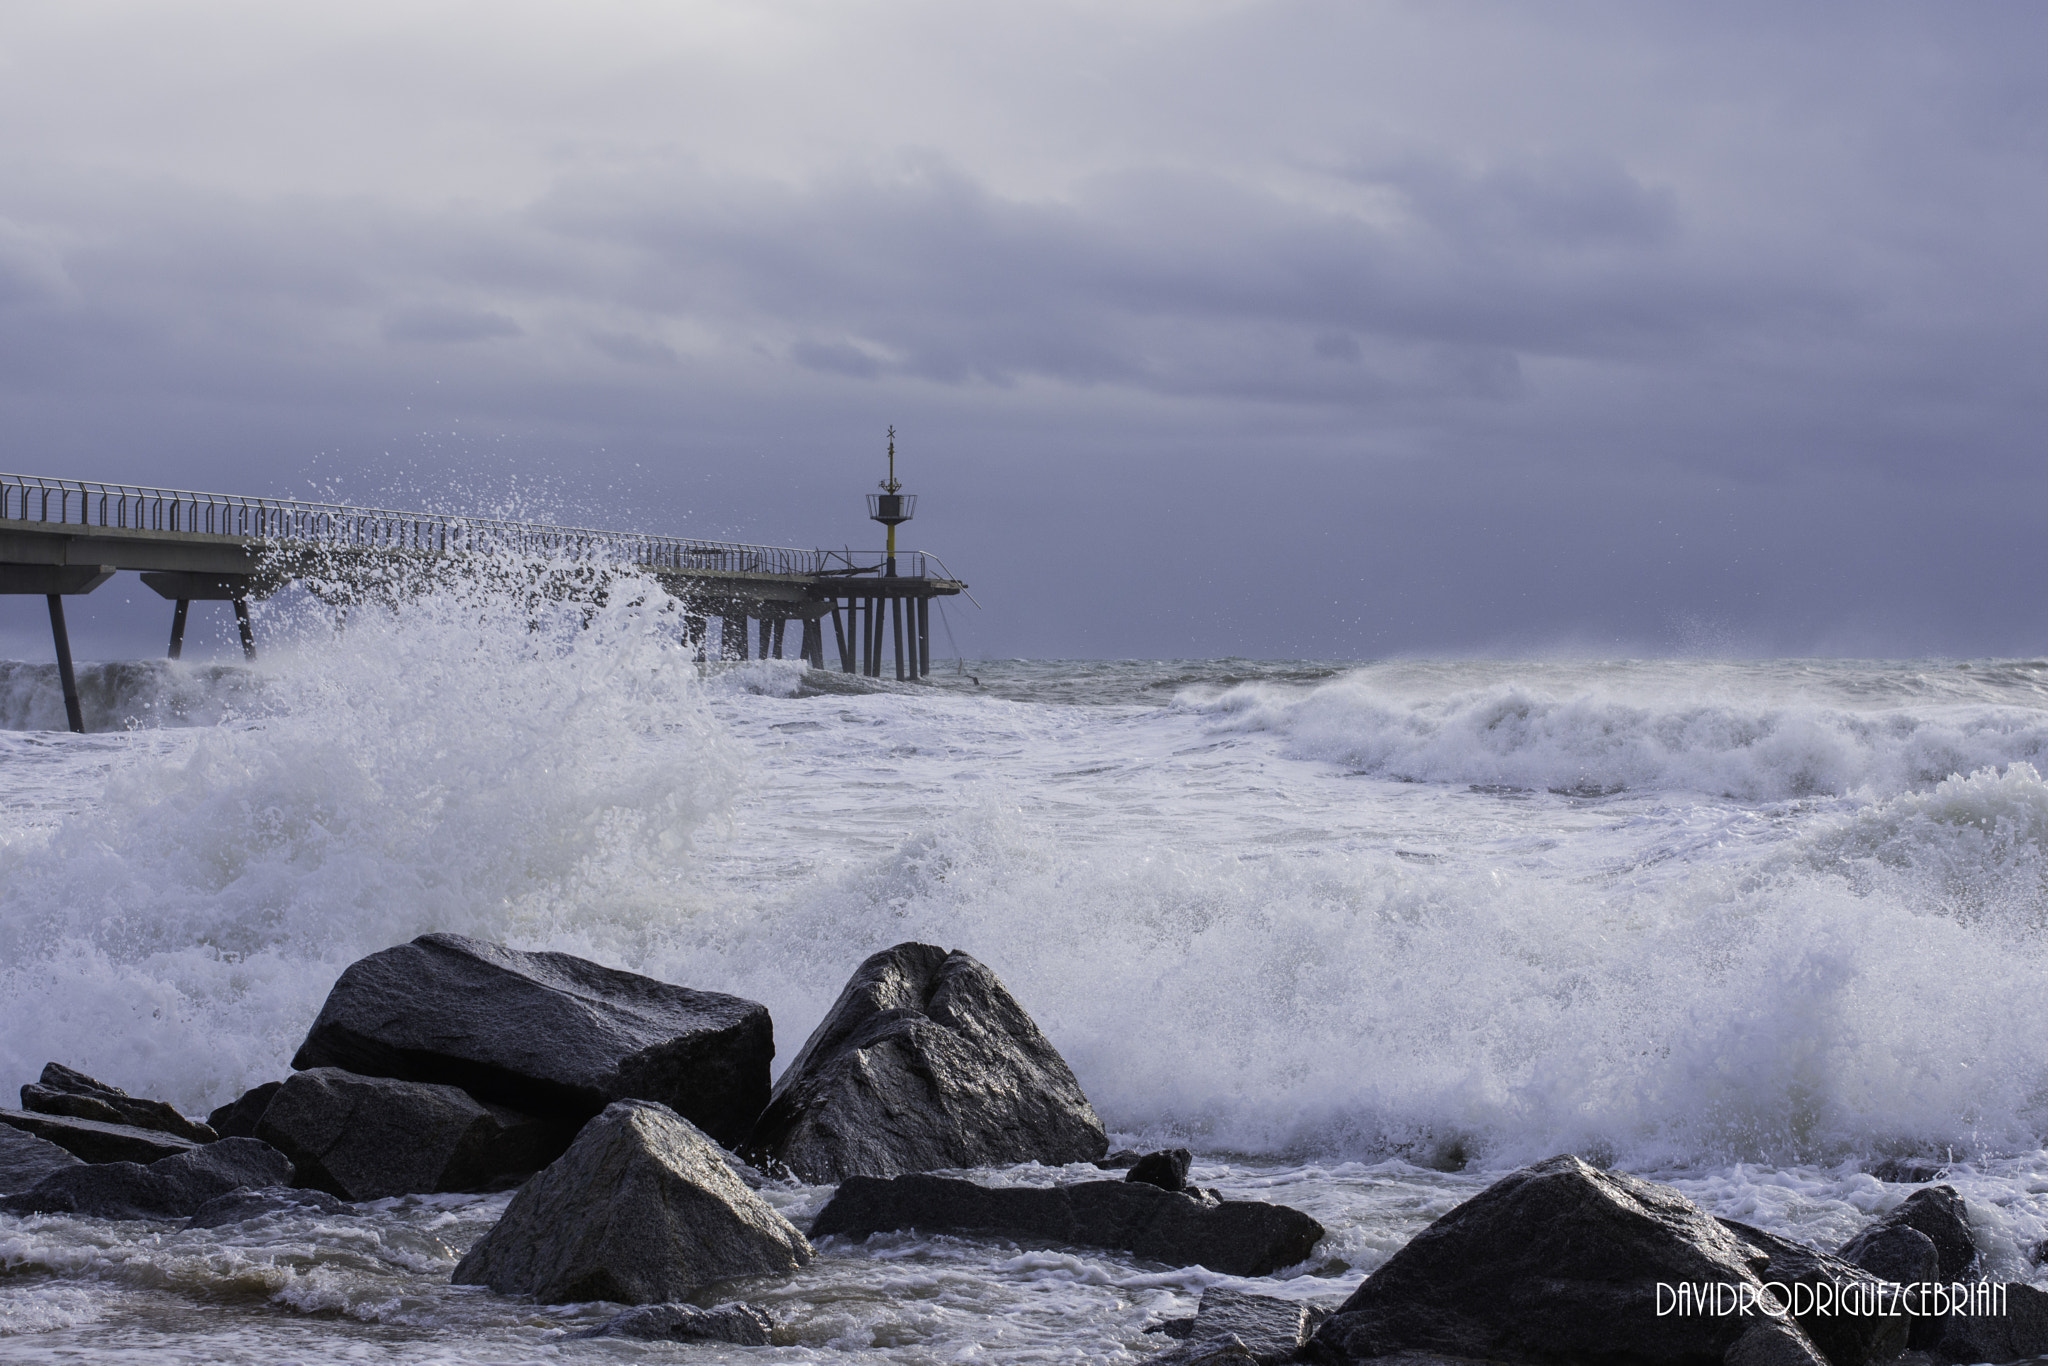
(896, 615)
(924, 637)
(65, 674)
(839, 630)
(248, 631)
(813, 646)
(184, 588)
(732, 637)
(178, 612)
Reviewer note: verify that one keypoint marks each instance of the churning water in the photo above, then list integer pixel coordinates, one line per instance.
(1359, 935)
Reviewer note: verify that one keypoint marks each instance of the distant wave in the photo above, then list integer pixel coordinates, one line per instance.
(136, 692)
(1602, 738)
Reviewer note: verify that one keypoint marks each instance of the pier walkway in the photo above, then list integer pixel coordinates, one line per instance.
(64, 537)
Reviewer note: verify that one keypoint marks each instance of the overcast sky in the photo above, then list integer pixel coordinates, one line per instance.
(1330, 330)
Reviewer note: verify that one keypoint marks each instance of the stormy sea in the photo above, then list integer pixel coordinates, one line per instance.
(1362, 936)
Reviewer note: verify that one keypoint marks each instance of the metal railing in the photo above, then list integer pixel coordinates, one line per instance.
(292, 521)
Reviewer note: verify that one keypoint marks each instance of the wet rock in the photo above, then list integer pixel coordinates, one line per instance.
(1895, 1253)
(238, 1206)
(1268, 1329)
(239, 1117)
(1852, 1338)
(1771, 1342)
(745, 1325)
(1938, 1212)
(2017, 1334)
(1562, 1262)
(169, 1188)
(61, 1091)
(1122, 1160)
(26, 1159)
(92, 1141)
(1223, 1351)
(1167, 1169)
(1236, 1237)
(363, 1138)
(642, 1209)
(545, 1033)
(1910, 1171)
(925, 1062)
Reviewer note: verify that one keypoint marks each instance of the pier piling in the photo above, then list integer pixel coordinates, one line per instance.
(178, 626)
(66, 675)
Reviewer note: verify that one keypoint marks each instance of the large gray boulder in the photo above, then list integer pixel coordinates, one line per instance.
(240, 1116)
(62, 1091)
(1236, 1237)
(170, 1188)
(545, 1033)
(1887, 1248)
(925, 1062)
(26, 1159)
(89, 1140)
(1562, 1262)
(1266, 1328)
(642, 1209)
(363, 1138)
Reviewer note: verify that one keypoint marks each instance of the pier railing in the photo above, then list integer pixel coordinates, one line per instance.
(296, 522)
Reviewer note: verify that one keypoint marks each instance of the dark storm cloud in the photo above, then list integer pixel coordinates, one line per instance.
(1536, 323)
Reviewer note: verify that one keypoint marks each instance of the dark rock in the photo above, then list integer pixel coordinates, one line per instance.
(1894, 1253)
(1236, 1237)
(1847, 1338)
(26, 1159)
(61, 1091)
(1173, 1328)
(1167, 1170)
(545, 1033)
(170, 1188)
(745, 1325)
(642, 1209)
(2020, 1333)
(1561, 1262)
(363, 1138)
(925, 1061)
(240, 1205)
(1223, 1351)
(1122, 1160)
(1771, 1342)
(1937, 1212)
(93, 1141)
(1910, 1171)
(1267, 1328)
(239, 1117)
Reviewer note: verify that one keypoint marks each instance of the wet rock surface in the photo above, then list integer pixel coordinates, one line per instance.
(1167, 1169)
(1237, 1237)
(1265, 1328)
(171, 1188)
(547, 1034)
(744, 1325)
(363, 1138)
(1562, 1261)
(90, 1140)
(253, 1203)
(642, 1209)
(925, 1062)
(240, 1116)
(62, 1091)
(26, 1159)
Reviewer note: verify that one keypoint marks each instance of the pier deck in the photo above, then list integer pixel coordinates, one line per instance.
(62, 538)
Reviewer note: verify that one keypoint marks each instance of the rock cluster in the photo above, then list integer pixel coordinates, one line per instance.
(169, 1188)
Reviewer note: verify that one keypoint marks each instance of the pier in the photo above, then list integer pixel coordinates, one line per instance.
(65, 537)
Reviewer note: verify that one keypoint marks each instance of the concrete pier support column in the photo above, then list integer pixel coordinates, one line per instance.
(924, 637)
(840, 630)
(66, 676)
(248, 631)
(896, 618)
(178, 627)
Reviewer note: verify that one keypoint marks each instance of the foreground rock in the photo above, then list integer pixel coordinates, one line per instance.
(363, 1138)
(1236, 1237)
(1561, 1262)
(26, 1159)
(1263, 1328)
(2020, 1333)
(1166, 1169)
(61, 1091)
(1930, 1225)
(170, 1188)
(745, 1325)
(925, 1062)
(642, 1209)
(238, 1206)
(545, 1033)
(240, 1116)
(92, 1141)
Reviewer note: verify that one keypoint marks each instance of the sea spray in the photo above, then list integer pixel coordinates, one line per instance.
(475, 761)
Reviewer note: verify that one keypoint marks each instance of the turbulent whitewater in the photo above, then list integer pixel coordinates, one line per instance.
(1358, 935)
